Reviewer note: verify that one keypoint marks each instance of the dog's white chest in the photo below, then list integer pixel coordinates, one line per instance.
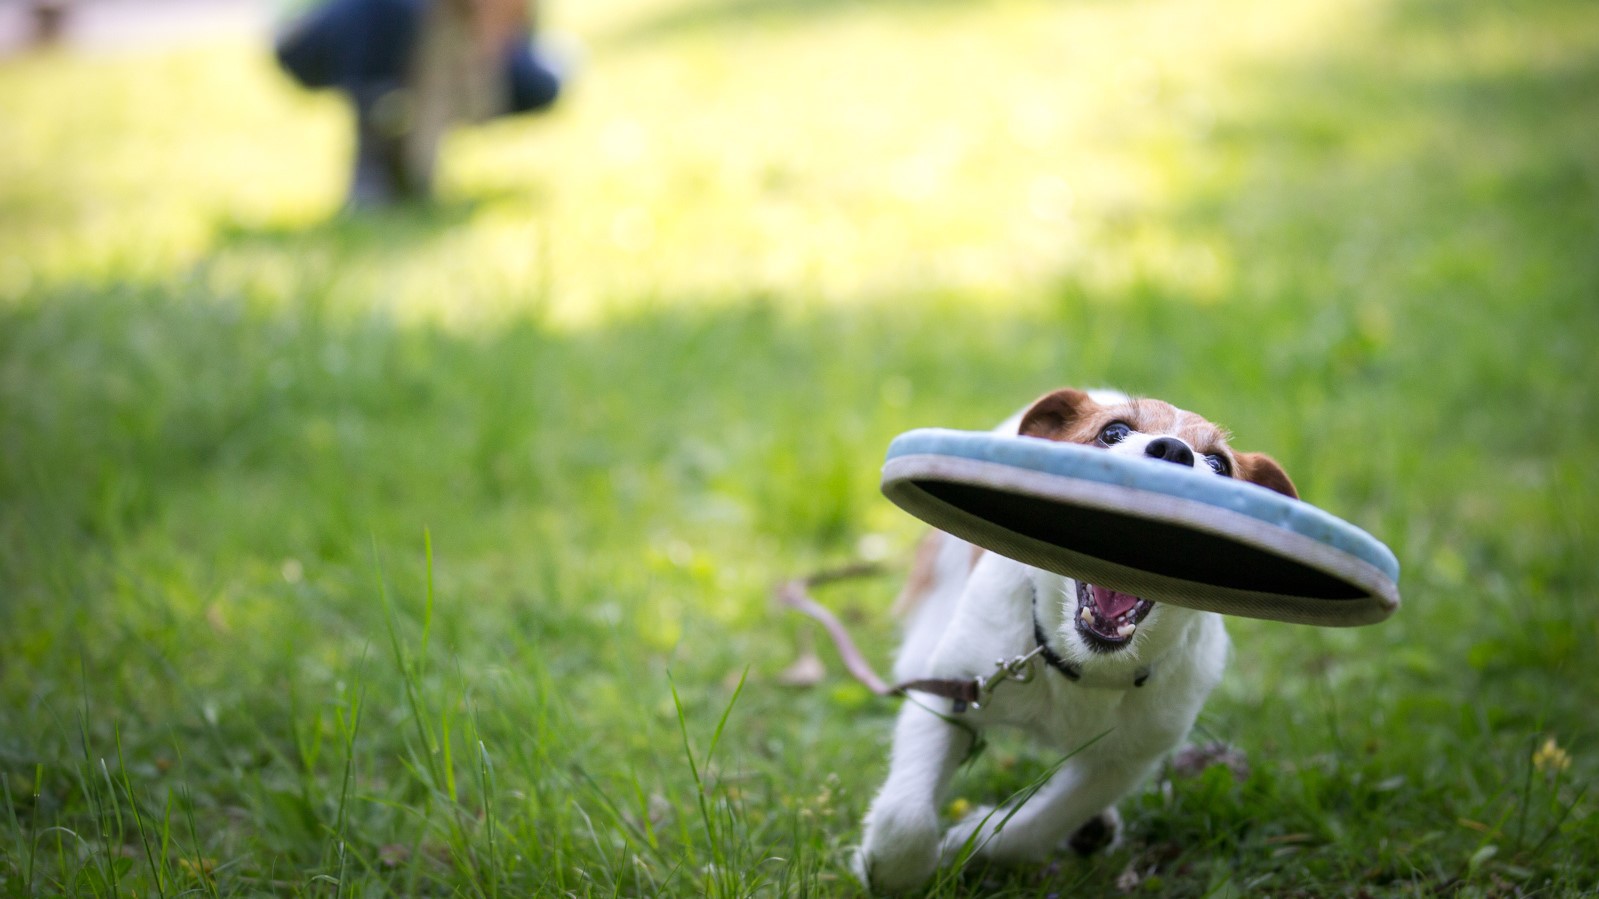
(1068, 715)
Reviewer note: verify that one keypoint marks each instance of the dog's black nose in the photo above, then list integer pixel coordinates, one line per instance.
(1170, 449)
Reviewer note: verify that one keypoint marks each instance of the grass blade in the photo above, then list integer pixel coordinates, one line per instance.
(156, 871)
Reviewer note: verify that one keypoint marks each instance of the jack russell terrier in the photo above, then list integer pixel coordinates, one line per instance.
(1119, 684)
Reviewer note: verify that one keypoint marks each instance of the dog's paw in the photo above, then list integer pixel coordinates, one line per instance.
(970, 837)
(983, 834)
(899, 852)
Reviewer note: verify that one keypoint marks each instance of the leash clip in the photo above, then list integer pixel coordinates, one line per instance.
(1019, 669)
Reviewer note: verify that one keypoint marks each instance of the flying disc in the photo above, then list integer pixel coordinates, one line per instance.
(1146, 527)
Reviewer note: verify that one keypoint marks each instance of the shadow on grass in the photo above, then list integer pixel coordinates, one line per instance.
(395, 227)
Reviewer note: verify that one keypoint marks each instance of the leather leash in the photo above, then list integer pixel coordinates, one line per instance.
(964, 692)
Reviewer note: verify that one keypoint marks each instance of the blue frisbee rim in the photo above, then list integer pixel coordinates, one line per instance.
(1289, 531)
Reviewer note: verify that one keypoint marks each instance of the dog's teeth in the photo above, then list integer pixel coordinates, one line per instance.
(1087, 616)
(1126, 630)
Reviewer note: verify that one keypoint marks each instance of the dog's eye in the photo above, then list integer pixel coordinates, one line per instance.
(1114, 433)
(1218, 464)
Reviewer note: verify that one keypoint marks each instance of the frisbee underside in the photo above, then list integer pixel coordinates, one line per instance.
(1147, 528)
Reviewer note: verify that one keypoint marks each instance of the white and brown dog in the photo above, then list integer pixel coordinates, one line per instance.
(1116, 687)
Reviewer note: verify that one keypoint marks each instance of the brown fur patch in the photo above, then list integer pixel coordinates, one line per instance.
(923, 573)
(1072, 416)
(1259, 468)
(1058, 415)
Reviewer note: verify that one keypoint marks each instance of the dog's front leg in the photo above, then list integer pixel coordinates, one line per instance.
(899, 850)
(1084, 787)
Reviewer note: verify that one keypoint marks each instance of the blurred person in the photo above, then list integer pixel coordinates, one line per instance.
(49, 21)
(412, 68)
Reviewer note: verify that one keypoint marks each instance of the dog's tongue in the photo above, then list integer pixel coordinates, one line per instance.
(1111, 603)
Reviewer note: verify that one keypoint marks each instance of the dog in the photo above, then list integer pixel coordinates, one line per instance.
(1116, 688)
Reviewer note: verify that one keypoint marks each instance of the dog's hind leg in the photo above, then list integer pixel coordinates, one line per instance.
(899, 849)
(1102, 833)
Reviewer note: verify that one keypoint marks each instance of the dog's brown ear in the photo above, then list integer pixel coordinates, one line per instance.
(1259, 468)
(1054, 414)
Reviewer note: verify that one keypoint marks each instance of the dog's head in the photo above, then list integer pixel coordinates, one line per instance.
(1106, 620)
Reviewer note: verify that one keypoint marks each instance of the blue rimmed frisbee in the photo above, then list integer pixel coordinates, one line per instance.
(1144, 527)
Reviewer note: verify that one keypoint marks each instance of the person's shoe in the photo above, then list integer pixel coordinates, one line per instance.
(382, 177)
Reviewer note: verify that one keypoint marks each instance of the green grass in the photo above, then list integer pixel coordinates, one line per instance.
(430, 553)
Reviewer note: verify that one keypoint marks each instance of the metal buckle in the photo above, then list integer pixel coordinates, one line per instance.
(1017, 668)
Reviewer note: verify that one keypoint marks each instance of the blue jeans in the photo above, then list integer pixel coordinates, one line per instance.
(364, 48)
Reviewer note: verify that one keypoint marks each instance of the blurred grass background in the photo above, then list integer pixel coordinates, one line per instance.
(361, 556)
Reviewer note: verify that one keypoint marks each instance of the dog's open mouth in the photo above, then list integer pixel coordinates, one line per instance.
(1106, 618)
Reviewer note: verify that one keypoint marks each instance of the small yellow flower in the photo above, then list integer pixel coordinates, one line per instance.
(958, 809)
(200, 866)
(1550, 758)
